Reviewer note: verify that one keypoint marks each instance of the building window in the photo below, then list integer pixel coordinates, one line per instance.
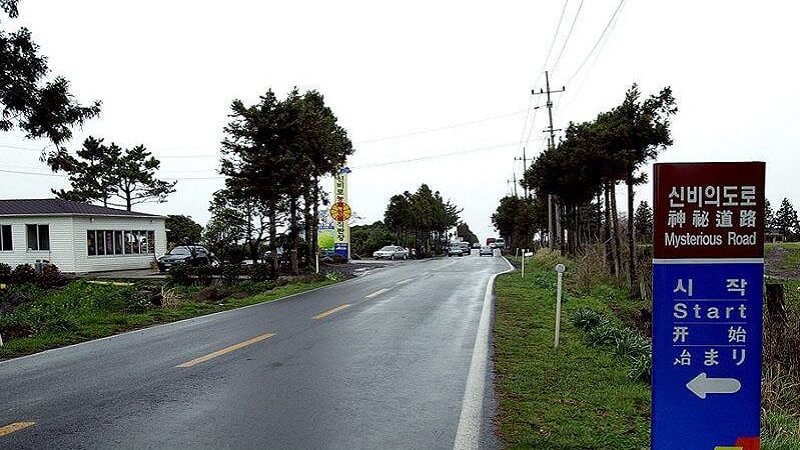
(117, 242)
(91, 244)
(38, 237)
(109, 235)
(5, 238)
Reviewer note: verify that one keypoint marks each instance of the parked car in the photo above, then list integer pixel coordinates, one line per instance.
(193, 255)
(391, 252)
(486, 250)
(500, 243)
(476, 245)
(466, 248)
(455, 249)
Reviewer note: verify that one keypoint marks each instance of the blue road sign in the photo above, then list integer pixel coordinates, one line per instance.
(708, 273)
(706, 354)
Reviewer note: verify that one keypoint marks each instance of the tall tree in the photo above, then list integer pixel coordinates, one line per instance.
(644, 222)
(98, 173)
(32, 101)
(92, 172)
(637, 131)
(786, 220)
(182, 230)
(463, 231)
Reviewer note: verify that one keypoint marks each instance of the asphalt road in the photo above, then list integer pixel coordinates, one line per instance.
(393, 369)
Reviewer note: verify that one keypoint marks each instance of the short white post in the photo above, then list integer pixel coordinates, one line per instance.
(1, 340)
(317, 262)
(523, 263)
(560, 269)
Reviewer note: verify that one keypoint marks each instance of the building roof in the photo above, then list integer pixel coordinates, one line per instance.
(58, 207)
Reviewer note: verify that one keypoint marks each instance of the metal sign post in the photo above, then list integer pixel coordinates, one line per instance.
(560, 269)
(708, 271)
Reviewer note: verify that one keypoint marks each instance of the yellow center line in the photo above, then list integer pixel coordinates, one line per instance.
(377, 293)
(331, 311)
(225, 350)
(16, 426)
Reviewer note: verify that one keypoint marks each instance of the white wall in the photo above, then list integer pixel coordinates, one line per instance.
(61, 244)
(86, 263)
(68, 248)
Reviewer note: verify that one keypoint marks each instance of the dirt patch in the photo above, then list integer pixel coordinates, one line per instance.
(774, 264)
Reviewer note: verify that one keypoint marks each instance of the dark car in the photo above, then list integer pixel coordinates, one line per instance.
(193, 255)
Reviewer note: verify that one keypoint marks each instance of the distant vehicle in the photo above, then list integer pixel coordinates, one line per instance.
(490, 241)
(500, 243)
(486, 250)
(455, 249)
(193, 255)
(466, 248)
(391, 252)
(492, 245)
(476, 245)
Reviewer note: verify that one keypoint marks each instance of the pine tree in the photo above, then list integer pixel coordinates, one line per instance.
(644, 222)
(786, 220)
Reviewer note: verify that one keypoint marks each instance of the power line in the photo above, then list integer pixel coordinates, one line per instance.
(446, 127)
(569, 34)
(605, 30)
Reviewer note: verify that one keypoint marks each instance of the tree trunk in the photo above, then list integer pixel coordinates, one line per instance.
(631, 237)
(293, 234)
(615, 226)
(314, 247)
(273, 238)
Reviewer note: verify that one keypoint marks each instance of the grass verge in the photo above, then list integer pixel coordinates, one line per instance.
(82, 311)
(573, 397)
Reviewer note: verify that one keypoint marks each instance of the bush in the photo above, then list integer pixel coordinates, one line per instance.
(50, 277)
(586, 319)
(641, 368)
(259, 272)
(181, 274)
(205, 274)
(5, 273)
(230, 274)
(23, 273)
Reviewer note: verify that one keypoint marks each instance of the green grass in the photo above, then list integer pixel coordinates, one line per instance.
(792, 249)
(83, 311)
(573, 397)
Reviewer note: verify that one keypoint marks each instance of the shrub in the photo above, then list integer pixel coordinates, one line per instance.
(230, 274)
(181, 275)
(586, 319)
(205, 275)
(212, 294)
(641, 368)
(5, 273)
(23, 273)
(259, 272)
(50, 277)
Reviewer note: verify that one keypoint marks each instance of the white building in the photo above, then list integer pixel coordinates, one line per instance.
(78, 237)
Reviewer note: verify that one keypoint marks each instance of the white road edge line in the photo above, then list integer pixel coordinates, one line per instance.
(377, 293)
(469, 423)
(406, 281)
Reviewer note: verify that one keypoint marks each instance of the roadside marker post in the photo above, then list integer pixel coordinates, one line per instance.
(560, 269)
(708, 274)
(524, 253)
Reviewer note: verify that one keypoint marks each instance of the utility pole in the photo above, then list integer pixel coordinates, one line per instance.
(551, 144)
(524, 160)
(514, 181)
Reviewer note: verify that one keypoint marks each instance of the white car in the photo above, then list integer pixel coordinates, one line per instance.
(391, 252)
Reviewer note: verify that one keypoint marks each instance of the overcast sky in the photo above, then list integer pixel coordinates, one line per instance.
(166, 72)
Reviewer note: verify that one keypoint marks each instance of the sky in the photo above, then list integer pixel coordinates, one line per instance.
(430, 92)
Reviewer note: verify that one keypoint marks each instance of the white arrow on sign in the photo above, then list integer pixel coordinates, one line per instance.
(701, 385)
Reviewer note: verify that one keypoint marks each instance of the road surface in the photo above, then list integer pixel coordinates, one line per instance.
(387, 360)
